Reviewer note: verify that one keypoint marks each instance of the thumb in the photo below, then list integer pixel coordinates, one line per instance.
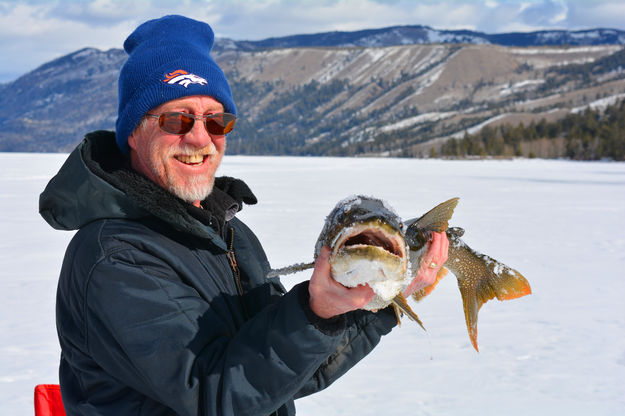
(322, 264)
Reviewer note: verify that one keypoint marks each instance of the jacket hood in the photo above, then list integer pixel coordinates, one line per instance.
(96, 182)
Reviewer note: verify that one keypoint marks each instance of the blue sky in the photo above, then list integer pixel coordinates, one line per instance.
(33, 32)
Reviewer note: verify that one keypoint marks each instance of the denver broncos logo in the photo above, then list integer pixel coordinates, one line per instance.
(182, 77)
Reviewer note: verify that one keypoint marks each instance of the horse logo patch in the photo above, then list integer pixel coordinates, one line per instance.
(182, 77)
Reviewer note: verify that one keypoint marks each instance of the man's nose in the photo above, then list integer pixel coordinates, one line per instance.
(198, 136)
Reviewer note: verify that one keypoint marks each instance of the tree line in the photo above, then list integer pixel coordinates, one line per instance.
(587, 135)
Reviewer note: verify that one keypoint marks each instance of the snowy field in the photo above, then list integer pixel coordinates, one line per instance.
(560, 351)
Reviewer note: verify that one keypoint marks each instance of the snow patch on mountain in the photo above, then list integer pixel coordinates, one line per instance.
(600, 104)
(560, 51)
(508, 89)
(421, 118)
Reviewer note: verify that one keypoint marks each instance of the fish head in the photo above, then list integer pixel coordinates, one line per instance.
(419, 230)
(417, 237)
(367, 246)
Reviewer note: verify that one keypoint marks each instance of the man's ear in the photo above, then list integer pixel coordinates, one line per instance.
(132, 141)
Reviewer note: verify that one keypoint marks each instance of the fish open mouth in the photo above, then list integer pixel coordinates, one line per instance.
(371, 235)
(372, 253)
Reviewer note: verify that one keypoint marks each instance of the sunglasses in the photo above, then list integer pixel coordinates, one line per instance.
(181, 123)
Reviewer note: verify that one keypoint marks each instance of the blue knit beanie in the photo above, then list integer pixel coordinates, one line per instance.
(168, 58)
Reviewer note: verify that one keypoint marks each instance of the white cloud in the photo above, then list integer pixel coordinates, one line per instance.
(32, 35)
(605, 14)
(544, 14)
(36, 31)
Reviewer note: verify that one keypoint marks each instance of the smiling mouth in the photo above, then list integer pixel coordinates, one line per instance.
(193, 160)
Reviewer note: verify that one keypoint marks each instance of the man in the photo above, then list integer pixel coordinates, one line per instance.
(163, 306)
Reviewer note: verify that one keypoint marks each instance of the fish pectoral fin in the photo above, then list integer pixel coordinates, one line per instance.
(420, 294)
(480, 279)
(398, 313)
(400, 302)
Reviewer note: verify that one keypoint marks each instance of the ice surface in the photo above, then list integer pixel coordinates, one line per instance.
(559, 351)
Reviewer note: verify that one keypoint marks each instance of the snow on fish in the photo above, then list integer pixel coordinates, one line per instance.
(371, 245)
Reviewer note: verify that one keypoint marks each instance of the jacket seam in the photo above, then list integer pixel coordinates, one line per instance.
(360, 331)
(88, 283)
(147, 380)
(301, 379)
(102, 258)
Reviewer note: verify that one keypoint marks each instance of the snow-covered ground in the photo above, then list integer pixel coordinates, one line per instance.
(562, 224)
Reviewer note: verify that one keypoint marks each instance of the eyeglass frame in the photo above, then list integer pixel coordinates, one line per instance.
(203, 117)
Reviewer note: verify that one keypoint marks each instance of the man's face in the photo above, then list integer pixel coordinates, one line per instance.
(184, 164)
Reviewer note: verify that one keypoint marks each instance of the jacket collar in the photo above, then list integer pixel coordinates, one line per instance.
(96, 182)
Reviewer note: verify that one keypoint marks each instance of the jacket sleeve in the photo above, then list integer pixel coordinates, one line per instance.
(363, 333)
(164, 340)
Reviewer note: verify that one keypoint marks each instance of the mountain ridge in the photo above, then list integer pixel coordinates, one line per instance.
(397, 100)
(420, 34)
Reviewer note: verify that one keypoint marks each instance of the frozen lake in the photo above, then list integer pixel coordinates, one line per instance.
(562, 224)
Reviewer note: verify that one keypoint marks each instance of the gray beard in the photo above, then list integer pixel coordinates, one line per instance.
(197, 189)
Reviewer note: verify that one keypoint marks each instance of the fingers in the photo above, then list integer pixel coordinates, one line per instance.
(440, 243)
(360, 295)
(329, 298)
(322, 264)
(433, 260)
(436, 254)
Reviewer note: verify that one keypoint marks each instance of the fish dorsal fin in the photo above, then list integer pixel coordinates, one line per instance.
(436, 219)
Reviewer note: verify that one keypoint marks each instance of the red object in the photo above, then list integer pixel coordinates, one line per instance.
(48, 400)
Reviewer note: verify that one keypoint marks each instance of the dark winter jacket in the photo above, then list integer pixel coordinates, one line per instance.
(164, 310)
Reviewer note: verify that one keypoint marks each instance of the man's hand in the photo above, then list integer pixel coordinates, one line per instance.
(433, 260)
(329, 298)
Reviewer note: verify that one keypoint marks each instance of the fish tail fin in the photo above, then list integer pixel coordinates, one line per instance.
(471, 306)
(420, 294)
(399, 302)
(481, 278)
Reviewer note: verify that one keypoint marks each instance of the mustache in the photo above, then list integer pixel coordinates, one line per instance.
(189, 150)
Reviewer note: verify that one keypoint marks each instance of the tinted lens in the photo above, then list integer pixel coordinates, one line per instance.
(175, 123)
(220, 124)
(182, 123)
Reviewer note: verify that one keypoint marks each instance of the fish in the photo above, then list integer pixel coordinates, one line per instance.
(370, 244)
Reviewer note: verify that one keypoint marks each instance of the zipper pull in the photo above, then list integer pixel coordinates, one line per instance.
(230, 254)
(236, 273)
(233, 261)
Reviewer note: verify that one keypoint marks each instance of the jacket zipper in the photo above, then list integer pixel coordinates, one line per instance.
(236, 273)
(237, 279)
